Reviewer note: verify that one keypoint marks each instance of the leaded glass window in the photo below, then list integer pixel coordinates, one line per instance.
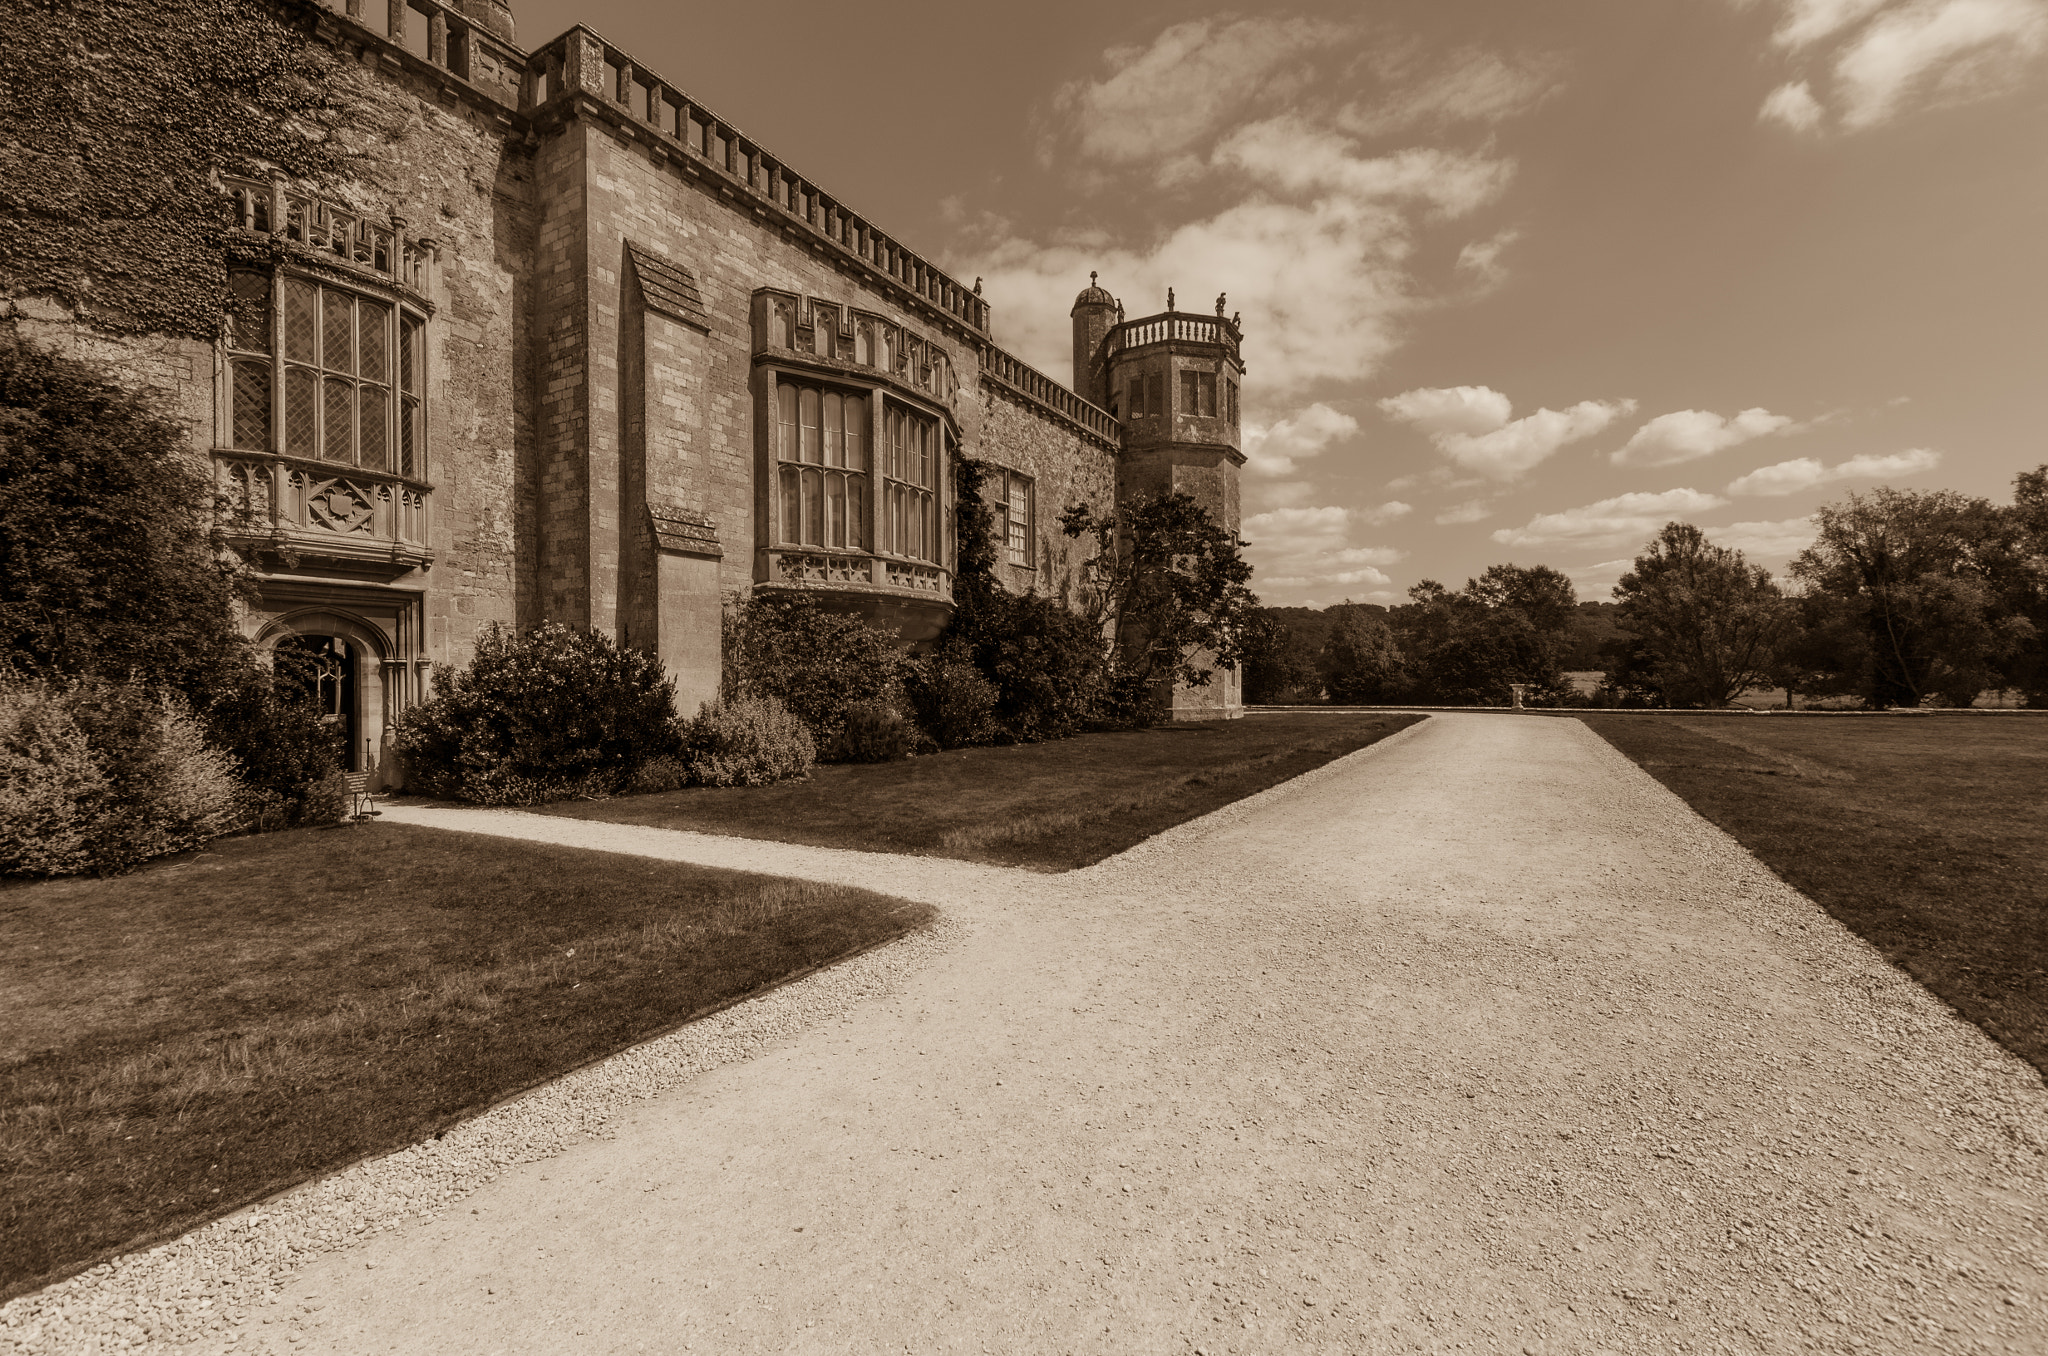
(821, 478)
(324, 373)
(910, 470)
(1018, 529)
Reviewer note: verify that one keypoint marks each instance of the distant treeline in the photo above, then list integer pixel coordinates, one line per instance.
(1905, 598)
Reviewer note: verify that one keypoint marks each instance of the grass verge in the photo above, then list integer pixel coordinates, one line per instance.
(1927, 836)
(1049, 807)
(179, 1042)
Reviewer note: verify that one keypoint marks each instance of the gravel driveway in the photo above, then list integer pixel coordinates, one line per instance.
(1476, 1039)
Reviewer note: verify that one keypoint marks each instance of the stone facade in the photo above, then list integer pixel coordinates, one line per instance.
(565, 345)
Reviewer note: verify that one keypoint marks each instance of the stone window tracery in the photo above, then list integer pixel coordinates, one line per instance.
(911, 451)
(1017, 518)
(325, 373)
(821, 454)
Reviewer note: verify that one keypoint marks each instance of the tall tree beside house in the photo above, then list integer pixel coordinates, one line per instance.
(1919, 569)
(2022, 581)
(1467, 648)
(1361, 662)
(1172, 588)
(1703, 619)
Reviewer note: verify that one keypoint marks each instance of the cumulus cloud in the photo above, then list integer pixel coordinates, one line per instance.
(1687, 435)
(1471, 426)
(1164, 99)
(1887, 57)
(1471, 511)
(1276, 449)
(1296, 547)
(1625, 520)
(1287, 208)
(1793, 105)
(1598, 581)
(1803, 473)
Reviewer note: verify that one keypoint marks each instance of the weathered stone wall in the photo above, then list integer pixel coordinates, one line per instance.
(1067, 468)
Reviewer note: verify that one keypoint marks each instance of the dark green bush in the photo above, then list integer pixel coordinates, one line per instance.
(748, 741)
(266, 719)
(100, 777)
(816, 662)
(1049, 666)
(953, 702)
(875, 732)
(549, 715)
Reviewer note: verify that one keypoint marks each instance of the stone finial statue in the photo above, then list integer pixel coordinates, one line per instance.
(977, 284)
(1236, 317)
(1169, 298)
(1219, 304)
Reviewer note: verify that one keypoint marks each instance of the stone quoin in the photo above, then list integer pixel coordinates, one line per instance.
(564, 344)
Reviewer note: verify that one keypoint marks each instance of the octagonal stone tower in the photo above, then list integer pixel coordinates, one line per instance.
(1173, 380)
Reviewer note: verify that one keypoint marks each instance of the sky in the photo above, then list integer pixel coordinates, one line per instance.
(1520, 282)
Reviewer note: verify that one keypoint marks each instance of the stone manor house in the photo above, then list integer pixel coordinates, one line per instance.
(577, 348)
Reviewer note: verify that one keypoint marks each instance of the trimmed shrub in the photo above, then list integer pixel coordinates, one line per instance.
(875, 732)
(817, 663)
(658, 774)
(747, 741)
(552, 714)
(954, 703)
(101, 777)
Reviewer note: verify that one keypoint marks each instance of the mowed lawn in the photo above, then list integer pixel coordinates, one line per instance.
(1927, 835)
(1049, 807)
(181, 1041)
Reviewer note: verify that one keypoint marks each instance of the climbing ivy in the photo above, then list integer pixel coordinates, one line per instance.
(113, 116)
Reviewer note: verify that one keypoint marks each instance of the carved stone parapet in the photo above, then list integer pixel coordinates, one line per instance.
(322, 511)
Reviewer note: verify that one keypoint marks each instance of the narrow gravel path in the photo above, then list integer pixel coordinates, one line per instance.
(1475, 1040)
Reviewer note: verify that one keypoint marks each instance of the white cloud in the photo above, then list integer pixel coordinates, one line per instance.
(1471, 511)
(1625, 520)
(1777, 540)
(1470, 86)
(1886, 57)
(1286, 208)
(1808, 21)
(1481, 258)
(1385, 513)
(1793, 105)
(1803, 473)
(1442, 411)
(1951, 49)
(1296, 547)
(1275, 449)
(1166, 98)
(1470, 425)
(1687, 435)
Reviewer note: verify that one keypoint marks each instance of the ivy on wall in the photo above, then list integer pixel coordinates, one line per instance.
(113, 116)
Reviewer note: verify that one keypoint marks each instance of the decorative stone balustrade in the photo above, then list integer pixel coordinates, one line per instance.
(1021, 379)
(321, 511)
(828, 569)
(271, 208)
(443, 35)
(581, 62)
(1173, 327)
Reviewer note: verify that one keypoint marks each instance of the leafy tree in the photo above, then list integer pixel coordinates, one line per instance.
(1172, 588)
(1824, 650)
(2022, 575)
(1280, 664)
(108, 563)
(1917, 566)
(1467, 648)
(1361, 662)
(1705, 619)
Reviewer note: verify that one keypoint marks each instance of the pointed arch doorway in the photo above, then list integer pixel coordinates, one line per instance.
(328, 669)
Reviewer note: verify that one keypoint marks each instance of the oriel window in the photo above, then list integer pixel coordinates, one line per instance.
(821, 481)
(324, 373)
(910, 478)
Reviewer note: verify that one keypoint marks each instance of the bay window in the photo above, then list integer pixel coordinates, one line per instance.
(821, 456)
(911, 451)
